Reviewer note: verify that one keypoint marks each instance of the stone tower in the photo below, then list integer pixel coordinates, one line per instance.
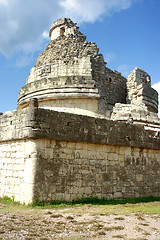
(71, 76)
(60, 145)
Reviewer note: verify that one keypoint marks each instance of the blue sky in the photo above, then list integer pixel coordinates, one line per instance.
(127, 33)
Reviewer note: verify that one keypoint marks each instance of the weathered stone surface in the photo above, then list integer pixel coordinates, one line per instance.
(140, 91)
(63, 156)
(142, 102)
(43, 123)
(71, 76)
(17, 170)
(136, 114)
(70, 68)
(72, 170)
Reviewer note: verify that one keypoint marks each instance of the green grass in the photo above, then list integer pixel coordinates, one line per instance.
(84, 201)
(97, 201)
(149, 205)
(7, 200)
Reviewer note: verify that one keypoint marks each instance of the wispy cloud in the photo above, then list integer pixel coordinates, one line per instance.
(109, 56)
(45, 35)
(23, 24)
(156, 86)
(91, 10)
(24, 60)
(124, 69)
(3, 2)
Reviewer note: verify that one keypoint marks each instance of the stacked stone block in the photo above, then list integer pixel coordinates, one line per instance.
(62, 156)
(74, 170)
(69, 68)
(140, 91)
(142, 102)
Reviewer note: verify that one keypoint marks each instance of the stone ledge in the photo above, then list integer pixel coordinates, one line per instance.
(39, 123)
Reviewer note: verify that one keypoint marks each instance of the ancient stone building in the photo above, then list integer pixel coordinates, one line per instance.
(80, 129)
(71, 76)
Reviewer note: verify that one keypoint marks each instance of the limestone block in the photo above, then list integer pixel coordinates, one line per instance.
(27, 193)
(118, 195)
(20, 154)
(30, 170)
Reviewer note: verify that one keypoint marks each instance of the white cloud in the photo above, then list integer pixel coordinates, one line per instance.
(109, 56)
(4, 2)
(24, 60)
(23, 24)
(156, 86)
(124, 69)
(91, 10)
(45, 34)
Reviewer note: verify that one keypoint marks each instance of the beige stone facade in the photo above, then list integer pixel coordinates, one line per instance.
(17, 170)
(62, 170)
(75, 170)
(53, 155)
(81, 106)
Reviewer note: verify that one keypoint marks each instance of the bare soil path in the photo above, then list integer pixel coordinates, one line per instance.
(77, 223)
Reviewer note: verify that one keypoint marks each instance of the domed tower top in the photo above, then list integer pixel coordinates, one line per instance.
(70, 75)
(63, 26)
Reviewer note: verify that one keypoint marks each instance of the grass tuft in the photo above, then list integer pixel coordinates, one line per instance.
(96, 201)
(8, 200)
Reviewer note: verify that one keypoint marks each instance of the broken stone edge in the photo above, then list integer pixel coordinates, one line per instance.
(38, 123)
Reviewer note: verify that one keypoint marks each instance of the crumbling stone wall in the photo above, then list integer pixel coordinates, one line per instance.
(63, 26)
(72, 170)
(140, 91)
(142, 102)
(63, 156)
(71, 76)
(136, 115)
(69, 68)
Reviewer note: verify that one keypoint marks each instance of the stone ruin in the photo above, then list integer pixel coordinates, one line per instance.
(71, 76)
(80, 129)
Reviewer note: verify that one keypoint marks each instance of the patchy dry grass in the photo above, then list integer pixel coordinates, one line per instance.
(139, 221)
(119, 218)
(118, 236)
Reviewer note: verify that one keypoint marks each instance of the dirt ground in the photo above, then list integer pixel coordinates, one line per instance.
(79, 224)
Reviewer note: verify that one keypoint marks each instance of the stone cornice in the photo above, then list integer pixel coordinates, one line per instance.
(37, 123)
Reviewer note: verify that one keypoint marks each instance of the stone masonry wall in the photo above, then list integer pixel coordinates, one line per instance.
(140, 91)
(60, 68)
(12, 168)
(62, 126)
(64, 24)
(79, 106)
(17, 170)
(71, 67)
(72, 170)
(17, 156)
(57, 156)
(137, 114)
(16, 125)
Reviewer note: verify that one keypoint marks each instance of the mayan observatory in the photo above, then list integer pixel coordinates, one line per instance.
(80, 129)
